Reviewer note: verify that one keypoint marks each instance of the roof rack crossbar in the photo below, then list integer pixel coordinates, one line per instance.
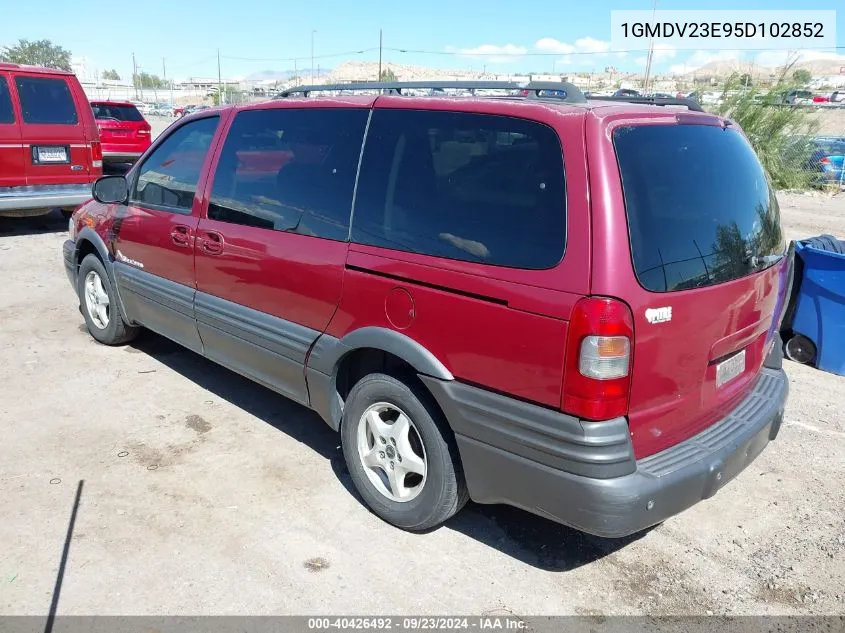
(691, 104)
(530, 90)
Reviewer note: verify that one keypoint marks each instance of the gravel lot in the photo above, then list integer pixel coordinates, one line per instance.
(207, 494)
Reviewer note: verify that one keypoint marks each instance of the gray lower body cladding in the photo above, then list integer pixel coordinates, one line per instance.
(530, 472)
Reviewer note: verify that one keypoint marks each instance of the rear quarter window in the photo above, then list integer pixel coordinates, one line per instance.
(46, 101)
(7, 114)
(700, 208)
(456, 185)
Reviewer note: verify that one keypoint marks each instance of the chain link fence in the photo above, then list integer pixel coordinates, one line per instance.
(816, 162)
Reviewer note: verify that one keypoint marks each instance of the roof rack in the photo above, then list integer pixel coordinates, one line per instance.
(691, 104)
(559, 90)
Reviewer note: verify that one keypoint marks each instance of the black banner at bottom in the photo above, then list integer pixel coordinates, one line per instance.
(405, 624)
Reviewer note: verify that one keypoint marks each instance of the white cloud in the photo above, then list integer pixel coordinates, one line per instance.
(702, 58)
(589, 45)
(551, 45)
(779, 58)
(495, 53)
(641, 61)
(663, 51)
(564, 61)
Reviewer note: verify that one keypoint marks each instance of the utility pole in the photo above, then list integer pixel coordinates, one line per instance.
(164, 73)
(379, 54)
(312, 55)
(135, 76)
(295, 73)
(650, 51)
(219, 81)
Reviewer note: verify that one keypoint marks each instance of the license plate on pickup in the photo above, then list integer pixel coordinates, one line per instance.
(729, 369)
(48, 154)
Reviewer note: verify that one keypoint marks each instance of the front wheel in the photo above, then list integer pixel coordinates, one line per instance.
(401, 454)
(99, 304)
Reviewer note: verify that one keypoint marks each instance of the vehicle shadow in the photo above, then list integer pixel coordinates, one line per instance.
(531, 539)
(53, 222)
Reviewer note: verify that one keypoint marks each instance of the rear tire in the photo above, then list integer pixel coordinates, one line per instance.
(99, 305)
(401, 453)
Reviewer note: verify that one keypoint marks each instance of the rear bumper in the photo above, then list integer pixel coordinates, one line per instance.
(529, 463)
(36, 200)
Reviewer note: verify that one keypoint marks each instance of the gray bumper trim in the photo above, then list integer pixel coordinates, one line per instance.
(121, 157)
(48, 197)
(663, 484)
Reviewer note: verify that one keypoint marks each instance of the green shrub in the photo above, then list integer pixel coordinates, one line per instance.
(780, 134)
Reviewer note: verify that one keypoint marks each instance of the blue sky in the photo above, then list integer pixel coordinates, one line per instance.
(257, 35)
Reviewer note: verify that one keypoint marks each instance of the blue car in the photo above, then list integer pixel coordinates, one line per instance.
(828, 158)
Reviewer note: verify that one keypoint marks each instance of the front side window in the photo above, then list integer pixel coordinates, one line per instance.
(169, 176)
(464, 186)
(290, 170)
(46, 101)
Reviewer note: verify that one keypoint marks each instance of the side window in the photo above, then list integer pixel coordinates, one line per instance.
(7, 115)
(290, 170)
(465, 186)
(168, 178)
(46, 101)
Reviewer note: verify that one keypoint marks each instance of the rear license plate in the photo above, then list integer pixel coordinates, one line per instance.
(51, 154)
(729, 369)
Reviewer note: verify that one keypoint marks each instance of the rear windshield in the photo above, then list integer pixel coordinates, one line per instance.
(116, 112)
(700, 208)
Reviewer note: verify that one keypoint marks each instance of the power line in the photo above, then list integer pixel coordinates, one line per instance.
(291, 59)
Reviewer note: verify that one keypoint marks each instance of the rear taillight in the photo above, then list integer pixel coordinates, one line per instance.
(96, 154)
(144, 131)
(597, 376)
(825, 160)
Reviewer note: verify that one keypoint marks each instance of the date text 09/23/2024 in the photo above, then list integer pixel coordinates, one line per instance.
(422, 623)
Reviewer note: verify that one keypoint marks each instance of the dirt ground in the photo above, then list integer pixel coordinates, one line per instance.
(206, 494)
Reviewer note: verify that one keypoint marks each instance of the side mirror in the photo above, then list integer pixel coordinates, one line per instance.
(110, 189)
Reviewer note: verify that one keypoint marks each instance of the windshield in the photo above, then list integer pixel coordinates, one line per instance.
(700, 208)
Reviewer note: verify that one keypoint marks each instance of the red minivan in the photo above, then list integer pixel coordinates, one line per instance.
(124, 132)
(567, 305)
(49, 147)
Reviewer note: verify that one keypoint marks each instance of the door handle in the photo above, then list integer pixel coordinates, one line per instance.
(181, 235)
(211, 242)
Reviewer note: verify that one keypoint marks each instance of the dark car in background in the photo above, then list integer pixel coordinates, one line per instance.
(124, 132)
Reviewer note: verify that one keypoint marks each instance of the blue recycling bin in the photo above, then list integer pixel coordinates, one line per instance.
(820, 306)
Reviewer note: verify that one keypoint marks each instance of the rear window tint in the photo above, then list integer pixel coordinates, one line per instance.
(7, 115)
(700, 208)
(46, 101)
(464, 186)
(116, 112)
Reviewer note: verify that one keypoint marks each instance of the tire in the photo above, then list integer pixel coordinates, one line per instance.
(111, 330)
(800, 349)
(433, 496)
